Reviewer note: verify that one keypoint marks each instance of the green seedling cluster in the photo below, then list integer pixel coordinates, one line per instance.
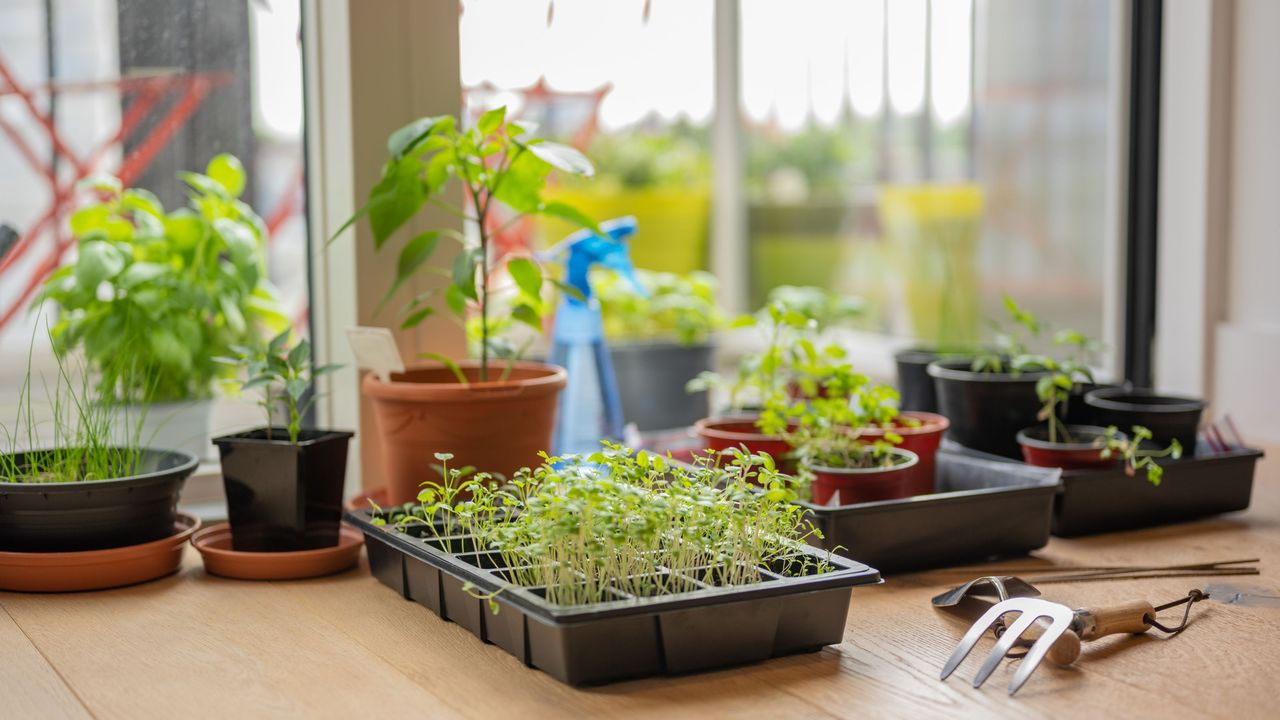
(1135, 457)
(283, 376)
(580, 530)
(676, 307)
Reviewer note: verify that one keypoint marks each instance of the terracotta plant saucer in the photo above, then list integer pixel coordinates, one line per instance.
(214, 544)
(97, 569)
(361, 499)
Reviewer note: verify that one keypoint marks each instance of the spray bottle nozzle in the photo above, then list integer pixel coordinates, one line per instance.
(608, 248)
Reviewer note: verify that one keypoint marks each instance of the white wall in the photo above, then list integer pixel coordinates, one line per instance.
(1247, 340)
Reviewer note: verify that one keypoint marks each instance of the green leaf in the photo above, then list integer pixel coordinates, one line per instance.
(227, 171)
(276, 346)
(185, 228)
(88, 219)
(451, 365)
(563, 157)
(527, 275)
(98, 261)
(231, 313)
(464, 272)
(169, 350)
(455, 301)
(139, 273)
(416, 252)
(100, 183)
(205, 185)
(492, 120)
(295, 387)
(397, 197)
(242, 244)
(528, 316)
(326, 369)
(406, 137)
(300, 355)
(416, 317)
(570, 214)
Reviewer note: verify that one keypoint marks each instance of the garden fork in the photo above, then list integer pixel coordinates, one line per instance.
(1061, 640)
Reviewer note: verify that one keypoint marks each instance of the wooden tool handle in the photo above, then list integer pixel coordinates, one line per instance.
(1063, 651)
(1126, 618)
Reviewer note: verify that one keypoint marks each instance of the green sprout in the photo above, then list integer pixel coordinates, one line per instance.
(1135, 457)
(284, 375)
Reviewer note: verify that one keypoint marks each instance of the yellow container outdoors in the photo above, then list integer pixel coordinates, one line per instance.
(672, 222)
(935, 231)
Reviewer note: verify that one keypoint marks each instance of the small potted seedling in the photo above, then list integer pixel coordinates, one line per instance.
(1130, 450)
(1055, 443)
(284, 484)
(657, 340)
(840, 463)
(991, 396)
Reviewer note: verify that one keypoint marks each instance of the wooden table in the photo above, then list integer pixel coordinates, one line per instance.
(346, 646)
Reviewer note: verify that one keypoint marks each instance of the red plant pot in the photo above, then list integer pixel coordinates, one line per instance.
(1079, 454)
(923, 440)
(722, 433)
(859, 485)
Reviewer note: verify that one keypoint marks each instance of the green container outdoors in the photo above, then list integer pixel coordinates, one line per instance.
(935, 231)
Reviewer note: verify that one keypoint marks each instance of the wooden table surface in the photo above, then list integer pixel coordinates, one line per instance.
(345, 646)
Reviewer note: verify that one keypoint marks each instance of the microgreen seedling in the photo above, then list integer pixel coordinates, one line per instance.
(1135, 458)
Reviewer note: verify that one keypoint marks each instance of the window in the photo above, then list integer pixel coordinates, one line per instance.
(143, 89)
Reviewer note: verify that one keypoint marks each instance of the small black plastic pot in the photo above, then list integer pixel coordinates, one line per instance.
(986, 410)
(914, 384)
(96, 514)
(283, 496)
(651, 379)
(1168, 417)
(1078, 411)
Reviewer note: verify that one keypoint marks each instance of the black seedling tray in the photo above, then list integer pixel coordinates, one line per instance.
(1100, 501)
(981, 509)
(630, 637)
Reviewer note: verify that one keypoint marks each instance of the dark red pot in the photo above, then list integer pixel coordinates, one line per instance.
(722, 433)
(858, 485)
(1080, 454)
(923, 440)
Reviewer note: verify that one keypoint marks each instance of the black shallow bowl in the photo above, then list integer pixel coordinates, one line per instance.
(98, 514)
(1168, 417)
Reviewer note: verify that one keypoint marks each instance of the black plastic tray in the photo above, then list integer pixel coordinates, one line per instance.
(981, 509)
(631, 637)
(1099, 501)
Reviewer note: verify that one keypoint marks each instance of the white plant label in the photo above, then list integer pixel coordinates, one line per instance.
(375, 349)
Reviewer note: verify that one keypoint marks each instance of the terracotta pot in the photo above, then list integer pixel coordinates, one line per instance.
(497, 426)
(923, 440)
(1080, 454)
(97, 569)
(858, 485)
(722, 433)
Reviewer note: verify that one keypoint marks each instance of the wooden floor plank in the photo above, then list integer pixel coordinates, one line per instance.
(29, 686)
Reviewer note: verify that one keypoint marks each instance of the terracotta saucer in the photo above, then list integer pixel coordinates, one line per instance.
(97, 569)
(214, 544)
(362, 498)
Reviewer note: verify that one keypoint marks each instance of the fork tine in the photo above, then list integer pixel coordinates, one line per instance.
(1003, 647)
(971, 638)
(1038, 650)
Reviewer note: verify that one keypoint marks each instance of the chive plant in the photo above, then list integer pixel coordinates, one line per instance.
(592, 529)
(80, 440)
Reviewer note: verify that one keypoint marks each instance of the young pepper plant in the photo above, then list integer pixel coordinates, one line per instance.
(283, 374)
(498, 163)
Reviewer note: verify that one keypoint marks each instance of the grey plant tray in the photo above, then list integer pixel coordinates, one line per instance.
(629, 637)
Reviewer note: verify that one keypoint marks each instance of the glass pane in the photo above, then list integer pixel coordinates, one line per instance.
(142, 90)
(930, 156)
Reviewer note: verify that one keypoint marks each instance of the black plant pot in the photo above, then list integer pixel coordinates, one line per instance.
(282, 496)
(914, 384)
(651, 379)
(986, 410)
(1168, 417)
(98, 514)
(1078, 412)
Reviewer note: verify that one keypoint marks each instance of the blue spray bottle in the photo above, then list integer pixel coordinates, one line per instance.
(589, 406)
